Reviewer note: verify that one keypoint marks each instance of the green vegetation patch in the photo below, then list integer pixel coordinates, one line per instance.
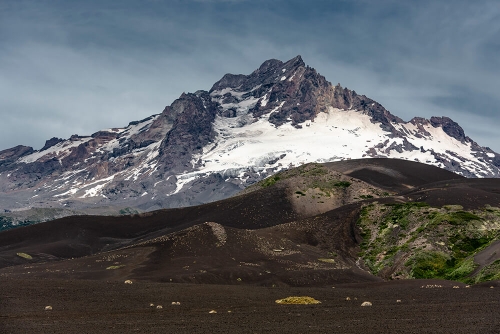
(5, 223)
(466, 245)
(316, 176)
(414, 240)
(270, 181)
(401, 212)
(453, 218)
(463, 271)
(25, 256)
(489, 273)
(435, 264)
(313, 170)
(342, 184)
(462, 217)
(429, 264)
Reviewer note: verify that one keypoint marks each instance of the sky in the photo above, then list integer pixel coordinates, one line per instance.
(76, 67)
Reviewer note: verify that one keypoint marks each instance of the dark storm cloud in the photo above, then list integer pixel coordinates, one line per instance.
(77, 67)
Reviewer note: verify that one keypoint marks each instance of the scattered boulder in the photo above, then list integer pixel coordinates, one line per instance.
(212, 311)
(128, 282)
(366, 304)
(48, 308)
(159, 307)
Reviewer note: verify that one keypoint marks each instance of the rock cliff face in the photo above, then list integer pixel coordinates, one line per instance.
(208, 145)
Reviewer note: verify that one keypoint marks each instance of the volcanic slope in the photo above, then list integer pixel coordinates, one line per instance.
(312, 225)
(267, 204)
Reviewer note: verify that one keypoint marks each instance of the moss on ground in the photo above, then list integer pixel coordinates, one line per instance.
(488, 273)
(414, 240)
(270, 181)
(342, 184)
(302, 300)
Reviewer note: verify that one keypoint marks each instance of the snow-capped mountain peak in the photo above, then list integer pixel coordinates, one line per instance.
(209, 145)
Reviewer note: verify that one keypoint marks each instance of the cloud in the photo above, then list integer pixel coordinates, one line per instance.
(78, 67)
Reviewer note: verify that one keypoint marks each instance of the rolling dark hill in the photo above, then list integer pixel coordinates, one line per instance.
(349, 221)
(469, 193)
(393, 174)
(272, 202)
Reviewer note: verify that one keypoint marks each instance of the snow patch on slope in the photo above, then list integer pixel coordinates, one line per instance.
(97, 189)
(259, 143)
(333, 135)
(438, 142)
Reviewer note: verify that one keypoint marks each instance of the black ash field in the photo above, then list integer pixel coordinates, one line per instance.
(92, 306)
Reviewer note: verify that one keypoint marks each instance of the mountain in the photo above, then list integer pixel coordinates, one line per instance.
(210, 145)
(350, 221)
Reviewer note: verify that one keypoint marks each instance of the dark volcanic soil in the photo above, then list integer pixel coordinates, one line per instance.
(393, 174)
(115, 307)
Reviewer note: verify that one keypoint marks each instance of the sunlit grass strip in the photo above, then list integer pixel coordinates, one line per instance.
(115, 267)
(25, 256)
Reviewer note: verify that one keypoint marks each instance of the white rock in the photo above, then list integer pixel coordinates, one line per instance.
(366, 304)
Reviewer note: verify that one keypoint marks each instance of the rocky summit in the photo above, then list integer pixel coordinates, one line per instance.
(209, 145)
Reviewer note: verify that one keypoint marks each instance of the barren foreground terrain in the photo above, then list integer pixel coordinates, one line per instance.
(87, 306)
(342, 233)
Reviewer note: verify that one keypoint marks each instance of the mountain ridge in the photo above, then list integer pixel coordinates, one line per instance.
(209, 145)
